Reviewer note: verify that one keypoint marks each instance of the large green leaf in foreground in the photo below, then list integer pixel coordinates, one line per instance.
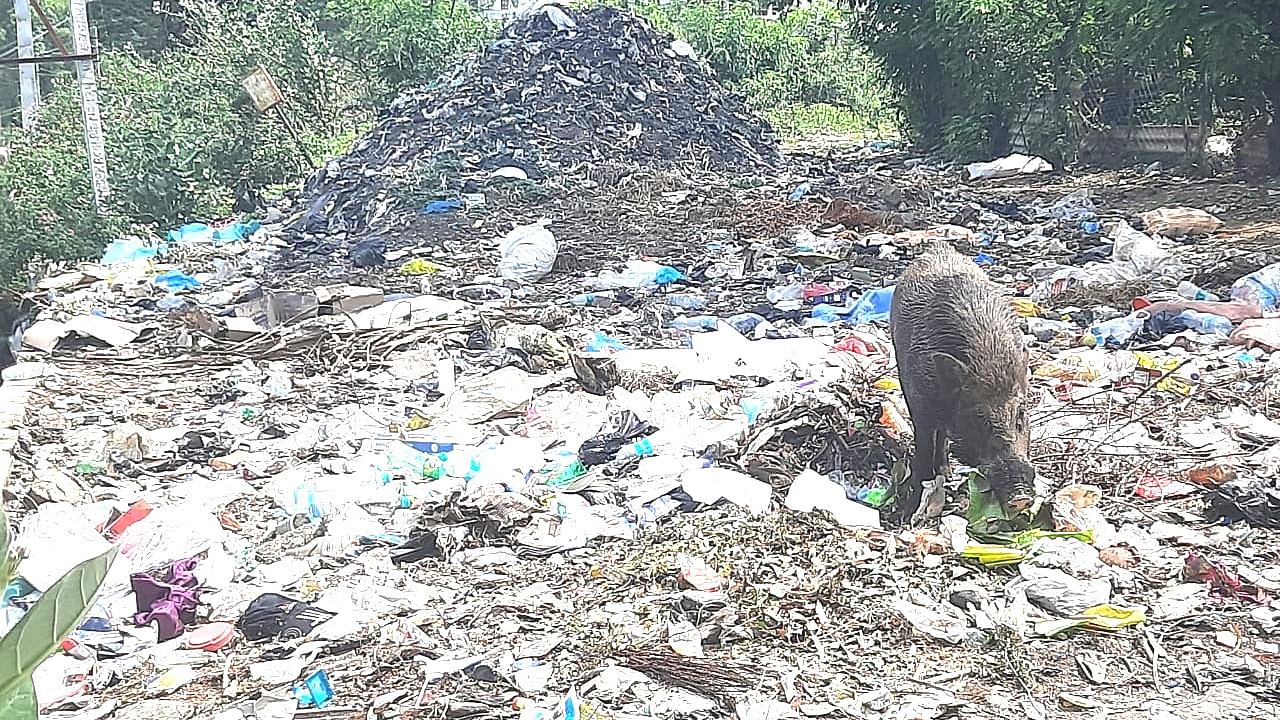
(20, 702)
(39, 632)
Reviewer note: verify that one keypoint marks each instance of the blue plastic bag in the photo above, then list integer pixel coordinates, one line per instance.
(176, 281)
(873, 306)
(436, 207)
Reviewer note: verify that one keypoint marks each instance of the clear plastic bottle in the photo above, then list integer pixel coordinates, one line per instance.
(1115, 332)
(593, 299)
(1191, 291)
(697, 322)
(686, 301)
(1206, 323)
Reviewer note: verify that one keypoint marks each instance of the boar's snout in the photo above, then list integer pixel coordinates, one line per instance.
(1014, 481)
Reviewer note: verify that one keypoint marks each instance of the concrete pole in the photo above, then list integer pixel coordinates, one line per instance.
(91, 111)
(27, 71)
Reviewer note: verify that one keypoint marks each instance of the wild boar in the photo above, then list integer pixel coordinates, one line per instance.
(962, 364)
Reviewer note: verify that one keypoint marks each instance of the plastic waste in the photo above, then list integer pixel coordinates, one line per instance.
(193, 233)
(1206, 323)
(708, 485)
(811, 491)
(315, 691)
(794, 291)
(171, 303)
(128, 250)
(368, 253)
(826, 313)
(1191, 291)
(436, 207)
(1075, 207)
(745, 323)
(176, 281)
(1008, 166)
(1174, 221)
(601, 300)
(528, 252)
(639, 449)
(799, 192)
(1260, 288)
(603, 342)
(419, 266)
(697, 322)
(686, 301)
(637, 274)
(1117, 332)
(1092, 227)
(873, 306)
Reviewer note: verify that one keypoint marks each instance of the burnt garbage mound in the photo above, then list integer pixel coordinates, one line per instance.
(559, 90)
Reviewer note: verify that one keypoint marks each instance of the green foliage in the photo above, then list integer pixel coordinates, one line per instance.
(46, 206)
(181, 136)
(804, 58)
(996, 62)
(966, 137)
(406, 44)
(38, 633)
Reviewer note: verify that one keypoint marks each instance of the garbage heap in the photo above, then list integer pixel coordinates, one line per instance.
(558, 89)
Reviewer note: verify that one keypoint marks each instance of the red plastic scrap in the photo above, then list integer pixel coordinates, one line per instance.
(1222, 582)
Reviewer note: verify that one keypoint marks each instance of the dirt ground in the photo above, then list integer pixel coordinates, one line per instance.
(806, 625)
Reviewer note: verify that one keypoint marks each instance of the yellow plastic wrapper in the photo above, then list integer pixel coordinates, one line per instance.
(1105, 618)
(993, 555)
(418, 266)
(887, 384)
(1024, 307)
(1170, 383)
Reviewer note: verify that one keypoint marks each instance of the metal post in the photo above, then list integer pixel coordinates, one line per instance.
(26, 72)
(89, 105)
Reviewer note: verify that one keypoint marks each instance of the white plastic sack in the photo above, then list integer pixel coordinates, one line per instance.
(811, 491)
(528, 252)
(1008, 166)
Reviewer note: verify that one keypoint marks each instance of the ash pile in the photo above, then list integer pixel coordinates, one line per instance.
(560, 90)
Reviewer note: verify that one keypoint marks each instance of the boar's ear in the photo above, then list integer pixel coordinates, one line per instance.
(951, 371)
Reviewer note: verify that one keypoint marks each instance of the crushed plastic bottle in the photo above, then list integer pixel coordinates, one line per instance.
(700, 323)
(686, 301)
(601, 300)
(1191, 291)
(1115, 332)
(1206, 323)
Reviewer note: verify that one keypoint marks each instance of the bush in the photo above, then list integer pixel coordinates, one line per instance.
(806, 57)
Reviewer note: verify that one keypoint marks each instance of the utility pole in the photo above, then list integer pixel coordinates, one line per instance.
(26, 73)
(91, 111)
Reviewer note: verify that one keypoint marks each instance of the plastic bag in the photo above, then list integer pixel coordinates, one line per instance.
(1260, 288)
(1174, 221)
(528, 253)
(1008, 166)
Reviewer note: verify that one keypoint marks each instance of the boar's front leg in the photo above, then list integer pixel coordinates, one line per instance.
(923, 461)
(941, 463)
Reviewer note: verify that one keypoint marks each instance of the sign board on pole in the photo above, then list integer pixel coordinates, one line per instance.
(262, 90)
